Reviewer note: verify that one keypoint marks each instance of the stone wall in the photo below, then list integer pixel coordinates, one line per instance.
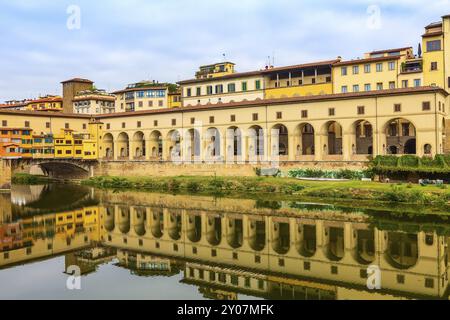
(447, 137)
(169, 169)
(5, 175)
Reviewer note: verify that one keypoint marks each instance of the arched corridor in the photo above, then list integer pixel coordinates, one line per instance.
(123, 145)
(108, 146)
(305, 140)
(139, 146)
(279, 141)
(156, 146)
(400, 137)
(363, 135)
(334, 138)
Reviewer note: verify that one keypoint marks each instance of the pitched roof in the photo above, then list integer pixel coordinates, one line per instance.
(361, 61)
(279, 101)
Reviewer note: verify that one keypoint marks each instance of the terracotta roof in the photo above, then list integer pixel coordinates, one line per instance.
(434, 25)
(93, 97)
(44, 100)
(44, 114)
(432, 34)
(80, 80)
(303, 99)
(390, 50)
(141, 89)
(260, 72)
(361, 61)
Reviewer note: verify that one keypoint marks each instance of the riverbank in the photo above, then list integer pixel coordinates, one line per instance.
(28, 179)
(272, 188)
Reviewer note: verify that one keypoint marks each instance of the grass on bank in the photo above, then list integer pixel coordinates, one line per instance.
(28, 179)
(346, 190)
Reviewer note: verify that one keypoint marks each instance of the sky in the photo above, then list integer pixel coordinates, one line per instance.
(116, 42)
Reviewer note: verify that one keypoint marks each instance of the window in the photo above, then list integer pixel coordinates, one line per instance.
(379, 67)
(108, 126)
(244, 86)
(211, 119)
(123, 125)
(307, 265)
(155, 123)
(434, 45)
(67, 126)
(4, 123)
(258, 84)
(356, 88)
(233, 118)
(367, 87)
(334, 270)
(304, 114)
(279, 115)
(344, 71)
(404, 83)
(448, 82)
(361, 110)
(235, 256)
(417, 82)
(139, 124)
(213, 253)
(231, 87)
(331, 112)
(209, 90)
(392, 85)
(397, 107)
(355, 69)
(174, 122)
(189, 92)
(426, 106)
(429, 283)
(27, 124)
(141, 104)
(255, 117)
(150, 104)
(257, 259)
(281, 262)
(160, 103)
(47, 125)
(367, 68)
(363, 274)
(434, 66)
(199, 91)
(219, 89)
(192, 120)
(247, 282)
(391, 65)
(344, 89)
(380, 86)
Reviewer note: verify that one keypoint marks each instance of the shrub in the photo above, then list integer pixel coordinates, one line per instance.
(193, 186)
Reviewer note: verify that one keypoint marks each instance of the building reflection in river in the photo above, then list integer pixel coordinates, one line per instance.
(228, 247)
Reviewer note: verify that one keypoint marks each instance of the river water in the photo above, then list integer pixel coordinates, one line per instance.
(74, 242)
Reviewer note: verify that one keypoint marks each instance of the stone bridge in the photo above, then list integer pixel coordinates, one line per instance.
(52, 168)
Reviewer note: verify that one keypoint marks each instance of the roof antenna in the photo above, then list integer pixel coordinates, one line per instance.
(224, 57)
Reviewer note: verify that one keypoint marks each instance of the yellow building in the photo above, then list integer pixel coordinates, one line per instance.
(47, 103)
(94, 102)
(43, 146)
(215, 70)
(145, 95)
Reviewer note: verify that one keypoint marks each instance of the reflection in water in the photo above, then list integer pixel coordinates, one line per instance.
(227, 249)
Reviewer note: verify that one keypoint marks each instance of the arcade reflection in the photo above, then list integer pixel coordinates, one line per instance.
(227, 248)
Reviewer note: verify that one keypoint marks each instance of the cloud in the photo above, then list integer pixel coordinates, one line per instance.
(125, 41)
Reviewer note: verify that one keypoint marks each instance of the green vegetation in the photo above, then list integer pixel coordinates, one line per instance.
(341, 174)
(347, 191)
(438, 168)
(28, 179)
